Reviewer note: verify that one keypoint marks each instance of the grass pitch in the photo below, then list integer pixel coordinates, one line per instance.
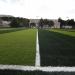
(8, 30)
(18, 47)
(57, 47)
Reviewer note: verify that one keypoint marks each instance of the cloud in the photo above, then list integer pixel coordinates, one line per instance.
(3, 0)
(42, 8)
(10, 1)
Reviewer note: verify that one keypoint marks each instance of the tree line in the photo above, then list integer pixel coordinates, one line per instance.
(24, 22)
(69, 22)
(44, 22)
(17, 21)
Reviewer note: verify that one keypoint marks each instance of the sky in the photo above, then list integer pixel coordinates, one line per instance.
(48, 9)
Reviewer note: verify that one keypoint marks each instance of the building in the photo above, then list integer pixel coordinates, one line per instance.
(36, 21)
(56, 23)
(4, 23)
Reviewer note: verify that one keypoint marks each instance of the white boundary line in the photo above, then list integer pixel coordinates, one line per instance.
(33, 68)
(37, 61)
(37, 64)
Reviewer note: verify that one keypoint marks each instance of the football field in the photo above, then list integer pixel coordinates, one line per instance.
(37, 51)
(18, 47)
(57, 47)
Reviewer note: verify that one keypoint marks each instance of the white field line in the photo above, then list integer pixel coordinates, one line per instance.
(37, 61)
(33, 68)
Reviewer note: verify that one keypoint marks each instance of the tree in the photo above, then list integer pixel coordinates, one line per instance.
(7, 18)
(26, 22)
(62, 22)
(32, 24)
(14, 23)
(41, 23)
(71, 23)
(46, 21)
(19, 22)
(51, 23)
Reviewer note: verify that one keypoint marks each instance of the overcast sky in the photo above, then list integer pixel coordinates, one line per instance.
(39, 8)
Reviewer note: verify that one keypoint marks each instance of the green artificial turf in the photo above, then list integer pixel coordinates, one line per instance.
(57, 47)
(69, 32)
(18, 47)
(8, 30)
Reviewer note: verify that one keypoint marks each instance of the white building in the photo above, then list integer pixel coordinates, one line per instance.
(4, 23)
(56, 23)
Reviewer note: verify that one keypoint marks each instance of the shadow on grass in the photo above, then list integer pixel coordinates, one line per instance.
(56, 49)
(18, 72)
(8, 30)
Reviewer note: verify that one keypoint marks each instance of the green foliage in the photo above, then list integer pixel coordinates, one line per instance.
(17, 21)
(69, 22)
(62, 22)
(32, 24)
(14, 23)
(43, 22)
(20, 22)
(7, 18)
(51, 23)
